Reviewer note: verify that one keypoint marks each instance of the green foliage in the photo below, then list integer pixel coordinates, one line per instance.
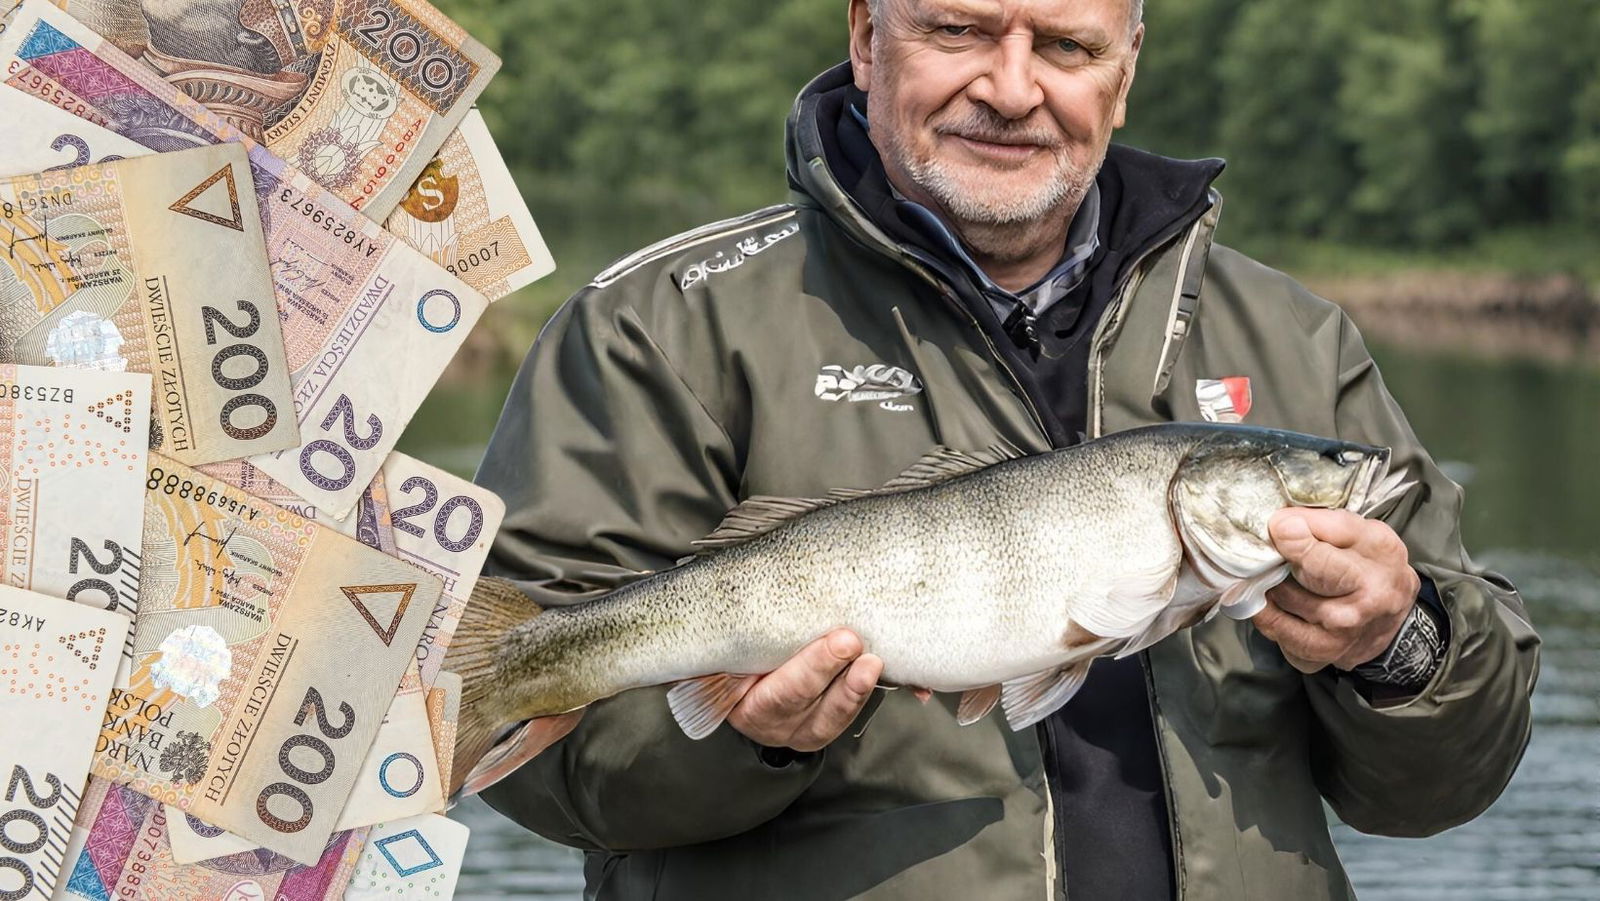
(1412, 124)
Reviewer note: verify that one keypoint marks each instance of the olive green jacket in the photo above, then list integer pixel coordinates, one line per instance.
(685, 378)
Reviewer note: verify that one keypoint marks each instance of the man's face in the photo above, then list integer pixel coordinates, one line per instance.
(999, 112)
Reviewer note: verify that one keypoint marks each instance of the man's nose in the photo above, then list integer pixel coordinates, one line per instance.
(1009, 86)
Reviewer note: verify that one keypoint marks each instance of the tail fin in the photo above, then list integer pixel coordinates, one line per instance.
(496, 607)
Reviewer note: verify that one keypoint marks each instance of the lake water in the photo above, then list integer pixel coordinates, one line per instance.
(1522, 437)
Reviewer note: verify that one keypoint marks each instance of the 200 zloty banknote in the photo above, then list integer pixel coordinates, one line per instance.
(416, 512)
(120, 849)
(57, 661)
(369, 322)
(153, 265)
(358, 94)
(267, 652)
(466, 213)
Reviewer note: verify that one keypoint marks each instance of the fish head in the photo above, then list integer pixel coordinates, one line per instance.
(1229, 485)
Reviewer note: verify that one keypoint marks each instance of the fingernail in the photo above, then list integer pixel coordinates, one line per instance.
(1291, 526)
(844, 644)
(861, 678)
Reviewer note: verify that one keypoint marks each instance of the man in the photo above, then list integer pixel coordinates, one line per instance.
(964, 263)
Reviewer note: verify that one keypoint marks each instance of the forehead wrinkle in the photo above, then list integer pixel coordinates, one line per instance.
(1050, 18)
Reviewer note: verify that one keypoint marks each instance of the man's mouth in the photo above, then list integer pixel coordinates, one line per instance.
(1003, 149)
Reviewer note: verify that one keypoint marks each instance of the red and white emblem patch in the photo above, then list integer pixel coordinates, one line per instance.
(1223, 400)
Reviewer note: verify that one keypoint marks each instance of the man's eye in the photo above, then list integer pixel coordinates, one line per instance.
(1067, 45)
(955, 31)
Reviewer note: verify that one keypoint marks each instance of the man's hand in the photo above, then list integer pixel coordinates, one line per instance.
(808, 701)
(1350, 588)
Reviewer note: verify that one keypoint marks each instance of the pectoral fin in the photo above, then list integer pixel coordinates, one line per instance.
(1247, 597)
(700, 705)
(1032, 698)
(976, 704)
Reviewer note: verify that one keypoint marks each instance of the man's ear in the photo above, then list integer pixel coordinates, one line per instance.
(861, 43)
(1128, 71)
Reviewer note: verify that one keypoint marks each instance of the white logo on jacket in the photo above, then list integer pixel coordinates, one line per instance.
(875, 382)
(744, 250)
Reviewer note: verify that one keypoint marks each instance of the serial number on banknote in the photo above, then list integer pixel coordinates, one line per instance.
(23, 621)
(33, 203)
(330, 223)
(50, 394)
(190, 490)
(391, 158)
(467, 262)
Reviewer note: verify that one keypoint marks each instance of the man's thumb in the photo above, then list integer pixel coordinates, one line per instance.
(1291, 535)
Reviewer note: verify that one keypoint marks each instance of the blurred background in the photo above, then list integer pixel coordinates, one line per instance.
(1433, 165)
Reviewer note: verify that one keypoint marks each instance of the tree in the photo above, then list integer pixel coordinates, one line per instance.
(1403, 102)
(1176, 99)
(1291, 168)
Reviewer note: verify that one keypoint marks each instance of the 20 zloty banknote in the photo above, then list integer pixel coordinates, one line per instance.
(358, 94)
(153, 265)
(44, 138)
(268, 650)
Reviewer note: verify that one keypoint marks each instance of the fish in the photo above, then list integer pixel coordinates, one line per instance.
(995, 574)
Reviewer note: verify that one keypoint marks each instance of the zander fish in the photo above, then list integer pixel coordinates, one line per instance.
(997, 575)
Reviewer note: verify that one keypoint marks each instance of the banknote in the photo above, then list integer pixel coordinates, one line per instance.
(354, 300)
(418, 858)
(399, 778)
(400, 775)
(194, 841)
(57, 661)
(444, 711)
(357, 93)
(73, 440)
(428, 517)
(466, 213)
(120, 849)
(153, 265)
(43, 138)
(267, 650)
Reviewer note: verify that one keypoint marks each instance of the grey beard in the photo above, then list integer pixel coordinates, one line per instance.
(1011, 232)
(961, 205)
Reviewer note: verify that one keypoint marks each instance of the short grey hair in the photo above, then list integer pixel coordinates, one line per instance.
(1135, 10)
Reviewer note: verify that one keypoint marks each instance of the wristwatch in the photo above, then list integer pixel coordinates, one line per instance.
(1416, 652)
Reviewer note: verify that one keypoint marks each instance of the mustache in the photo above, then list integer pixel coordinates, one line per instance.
(981, 123)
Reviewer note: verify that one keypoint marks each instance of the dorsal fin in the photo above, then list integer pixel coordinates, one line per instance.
(945, 463)
(761, 514)
(758, 515)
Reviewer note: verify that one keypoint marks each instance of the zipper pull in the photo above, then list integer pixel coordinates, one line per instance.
(1021, 326)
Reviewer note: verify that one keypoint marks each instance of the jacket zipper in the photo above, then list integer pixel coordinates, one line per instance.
(1096, 370)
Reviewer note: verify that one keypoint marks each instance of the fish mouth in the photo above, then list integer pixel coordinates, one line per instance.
(1377, 489)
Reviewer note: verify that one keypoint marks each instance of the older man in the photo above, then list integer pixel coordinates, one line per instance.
(967, 261)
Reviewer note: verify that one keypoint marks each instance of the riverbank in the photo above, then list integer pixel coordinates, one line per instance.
(1518, 294)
